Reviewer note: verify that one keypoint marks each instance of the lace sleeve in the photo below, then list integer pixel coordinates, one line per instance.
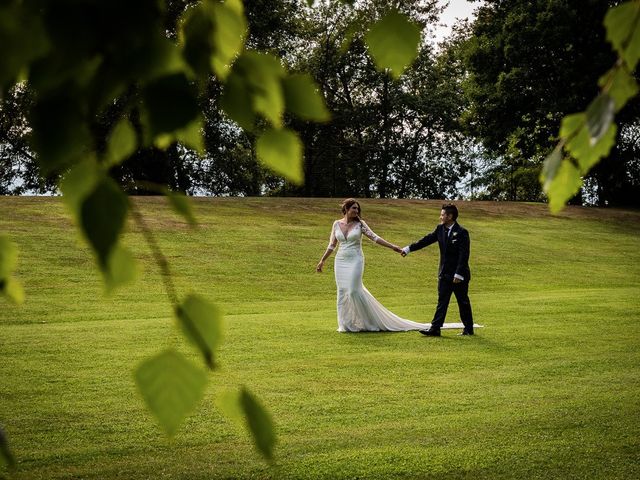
(368, 232)
(333, 241)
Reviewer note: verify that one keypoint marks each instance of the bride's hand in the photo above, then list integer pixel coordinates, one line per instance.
(319, 267)
(397, 249)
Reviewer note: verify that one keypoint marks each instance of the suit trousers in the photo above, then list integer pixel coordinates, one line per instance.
(461, 290)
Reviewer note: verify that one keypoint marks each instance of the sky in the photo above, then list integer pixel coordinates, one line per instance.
(456, 9)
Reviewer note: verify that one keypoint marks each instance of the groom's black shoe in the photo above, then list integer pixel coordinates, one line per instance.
(465, 332)
(431, 332)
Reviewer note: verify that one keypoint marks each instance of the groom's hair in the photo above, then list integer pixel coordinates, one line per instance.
(451, 209)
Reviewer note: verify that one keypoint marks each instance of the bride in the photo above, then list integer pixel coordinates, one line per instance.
(358, 310)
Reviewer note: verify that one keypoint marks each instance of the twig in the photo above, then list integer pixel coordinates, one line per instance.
(159, 257)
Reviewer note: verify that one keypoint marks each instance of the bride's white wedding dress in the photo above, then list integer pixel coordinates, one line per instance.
(358, 310)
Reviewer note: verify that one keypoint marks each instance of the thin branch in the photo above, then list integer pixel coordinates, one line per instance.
(159, 257)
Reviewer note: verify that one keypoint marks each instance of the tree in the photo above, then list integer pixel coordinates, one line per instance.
(529, 64)
(388, 136)
(19, 171)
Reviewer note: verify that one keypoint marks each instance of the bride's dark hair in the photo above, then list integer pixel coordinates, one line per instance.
(348, 203)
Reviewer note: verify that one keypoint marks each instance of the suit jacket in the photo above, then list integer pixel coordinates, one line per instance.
(454, 250)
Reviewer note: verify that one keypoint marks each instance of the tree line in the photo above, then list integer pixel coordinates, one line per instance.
(472, 117)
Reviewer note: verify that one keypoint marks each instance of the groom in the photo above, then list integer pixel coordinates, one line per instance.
(453, 273)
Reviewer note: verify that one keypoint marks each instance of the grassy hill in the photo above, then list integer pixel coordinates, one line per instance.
(549, 389)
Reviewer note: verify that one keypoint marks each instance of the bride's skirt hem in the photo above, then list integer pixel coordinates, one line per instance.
(364, 330)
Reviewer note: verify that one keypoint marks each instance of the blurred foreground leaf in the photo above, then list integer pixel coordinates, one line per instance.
(9, 286)
(201, 322)
(254, 87)
(580, 143)
(6, 457)
(599, 117)
(259, 423)
(228, 401)
(213, 34)
(22, 39)
(229, 34)
(102, 216)
(281, 150)
(171, 387)
(623, 31)
(181, 204)
(620, 85)
(170, 103)
(121, 144)
(393, 42)
(8, 257)
(303, 98)
(61, 135)
(563, 186)
(121, 269)
(78, 183)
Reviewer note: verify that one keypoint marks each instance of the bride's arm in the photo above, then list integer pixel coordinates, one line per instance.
(333, 242)
(377, 239)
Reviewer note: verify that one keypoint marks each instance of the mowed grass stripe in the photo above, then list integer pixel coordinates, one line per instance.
(548, 389)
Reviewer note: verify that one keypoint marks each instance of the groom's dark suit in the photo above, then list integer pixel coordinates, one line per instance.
(454, 261)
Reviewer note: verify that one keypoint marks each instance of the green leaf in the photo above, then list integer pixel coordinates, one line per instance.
(563, 186)
(6, 457)
(213, 35)
(152, 56)
(102, 216)
(393, 42)
(303, 98)
(599, 117)
(171, 387)
(182, 206)
(589, 154)
(264, 74)
(623, 31)
(201, 323)
(79, 182)
(236, 101)
(254, 87)
(60, 136)
(170, 103)
(22, 39)
(550, 168)
(8, 257)
(229, 35)
(259, 423)
(281, 150)
(121, 144)
(572, 124)
(196, 35)
(620, 85)
(9, 287)
(12, 289)
(191, 136)
(121, 269)
(228, 401)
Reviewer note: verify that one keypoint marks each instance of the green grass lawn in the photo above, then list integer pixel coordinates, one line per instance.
(550, 388)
